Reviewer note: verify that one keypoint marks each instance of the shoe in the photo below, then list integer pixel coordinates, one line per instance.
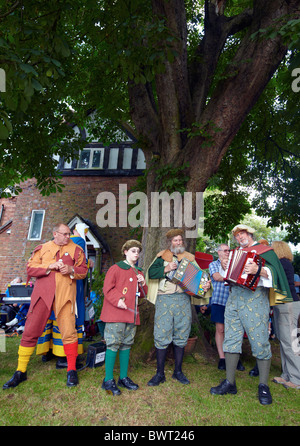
(48, 356)
(156, 380)
(17, 378)
(254, 371)
(20, 329)
(264, 394)
(127, 383)
(62, 363)
(12, 322)
(279, 380)
(240, 366)
(290, 385)
(180, 377)
(222, 364)
(110, 387)
(223, 388)
(72, 378)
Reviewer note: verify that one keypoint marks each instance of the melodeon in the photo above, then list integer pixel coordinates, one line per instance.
(234, 273)
(189, 277)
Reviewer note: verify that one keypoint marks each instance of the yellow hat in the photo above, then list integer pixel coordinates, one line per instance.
(239, 228)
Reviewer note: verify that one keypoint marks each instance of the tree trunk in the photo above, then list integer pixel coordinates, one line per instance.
(182, 100)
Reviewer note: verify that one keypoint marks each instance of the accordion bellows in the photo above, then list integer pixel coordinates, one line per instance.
(189, 277)
(236, 265)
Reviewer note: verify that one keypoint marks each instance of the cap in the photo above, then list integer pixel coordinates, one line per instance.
(131, 244)
(239, 228)
(174, 232)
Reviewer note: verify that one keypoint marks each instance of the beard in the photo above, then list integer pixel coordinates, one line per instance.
(177, 249)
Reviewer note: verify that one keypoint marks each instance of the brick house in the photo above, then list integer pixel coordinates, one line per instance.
(27, 220)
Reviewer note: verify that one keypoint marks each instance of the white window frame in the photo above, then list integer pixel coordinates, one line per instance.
(91, 149)
(33, 213)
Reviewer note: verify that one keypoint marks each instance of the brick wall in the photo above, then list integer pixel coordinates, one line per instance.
(78, 197)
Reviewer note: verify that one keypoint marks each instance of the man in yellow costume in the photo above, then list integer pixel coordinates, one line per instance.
(56, 265)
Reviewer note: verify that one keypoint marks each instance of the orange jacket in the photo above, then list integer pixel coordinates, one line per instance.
(54, 284)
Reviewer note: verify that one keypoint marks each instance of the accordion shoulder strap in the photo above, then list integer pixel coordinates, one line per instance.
(258, 248)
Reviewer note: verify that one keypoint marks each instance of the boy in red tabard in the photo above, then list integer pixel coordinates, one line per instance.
(123, 285)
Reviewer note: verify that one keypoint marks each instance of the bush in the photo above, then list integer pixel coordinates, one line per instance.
(97, 288)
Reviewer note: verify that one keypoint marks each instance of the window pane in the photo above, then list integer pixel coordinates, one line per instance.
(84, 159)
(113, 158)
(36, 225)
(96, 158)
(141, 162)
(127, 159)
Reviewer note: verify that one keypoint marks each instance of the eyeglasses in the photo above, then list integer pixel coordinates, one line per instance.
(224, 250)
(65, 234)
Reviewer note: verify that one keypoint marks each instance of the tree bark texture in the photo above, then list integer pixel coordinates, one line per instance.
(188, 96)
(186, 99)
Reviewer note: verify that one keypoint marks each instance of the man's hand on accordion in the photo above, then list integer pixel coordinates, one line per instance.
(206, 286)
(170, 267)
(251, 267)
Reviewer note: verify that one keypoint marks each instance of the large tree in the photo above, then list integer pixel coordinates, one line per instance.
(183, 76)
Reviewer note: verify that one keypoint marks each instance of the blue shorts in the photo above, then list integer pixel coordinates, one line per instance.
(217, 313)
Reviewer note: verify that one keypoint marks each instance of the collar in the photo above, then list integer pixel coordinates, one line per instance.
(167, 255)
(124, 265)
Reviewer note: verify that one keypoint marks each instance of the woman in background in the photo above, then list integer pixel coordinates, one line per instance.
(286, 324)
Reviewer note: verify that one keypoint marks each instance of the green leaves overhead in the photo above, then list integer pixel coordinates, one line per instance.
(63, 59)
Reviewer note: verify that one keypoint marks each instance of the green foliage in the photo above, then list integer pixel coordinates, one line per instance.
(208, 327)
(36, 57)
(97, 287)
(296, 262)
(222, 211)
(204, 131)
(194, 330)
(289, 32)
(262, 163)
(172, 179)
(63, 59)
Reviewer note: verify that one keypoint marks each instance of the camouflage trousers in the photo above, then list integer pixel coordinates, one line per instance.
(247, 311)
(119, 335)
(172, 321)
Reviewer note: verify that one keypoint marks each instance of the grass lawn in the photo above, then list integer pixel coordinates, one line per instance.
(44, 399)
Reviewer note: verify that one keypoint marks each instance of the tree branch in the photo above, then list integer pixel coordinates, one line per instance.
(143, 114)
(175, 109)
(252, 67)
(14, 6)
(217, 29)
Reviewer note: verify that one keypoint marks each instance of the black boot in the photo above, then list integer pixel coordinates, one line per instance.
(254, 371)
(48, 356)
(62, 363)
(178, 356)
(240, 366)
(161, 354)
(72, 378)
(17, 378)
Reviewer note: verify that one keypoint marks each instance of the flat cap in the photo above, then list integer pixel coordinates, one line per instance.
(174, 232)
(130, 244)
(239, 228)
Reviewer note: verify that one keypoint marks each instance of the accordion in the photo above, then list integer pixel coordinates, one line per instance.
(234, 273)
(189, 277)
